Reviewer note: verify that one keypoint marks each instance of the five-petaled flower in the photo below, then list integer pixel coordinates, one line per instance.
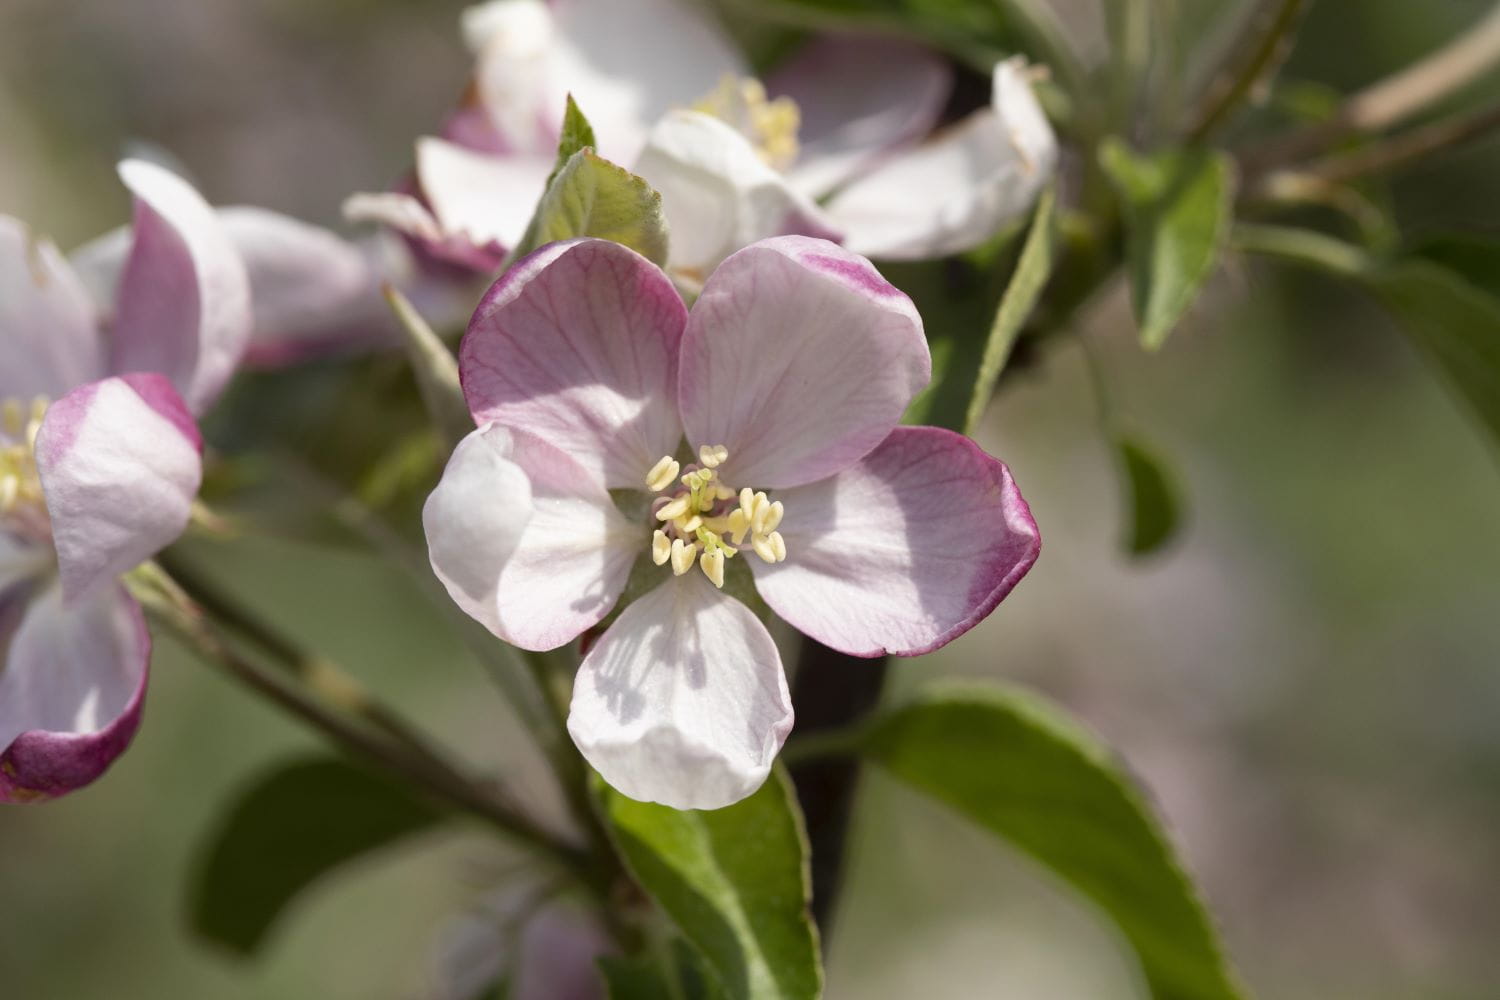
(99, 463)
(758, 432)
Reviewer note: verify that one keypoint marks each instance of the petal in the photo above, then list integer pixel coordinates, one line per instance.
(859, 97)
(682, 701)
(577, 344)
(483, 199)
(49, 334)
(960, 188)
(474, 518)
(905, 551)
(799, 358)
(574, 556)
(410, 217)
(71, 692)
(184, 296)
(120, 464)
(718, 194)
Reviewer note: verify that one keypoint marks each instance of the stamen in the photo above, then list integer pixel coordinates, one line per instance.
(673, 509)
(661, 547)
(662, 474)
(712, 565)
(711, 456)
(683, 554)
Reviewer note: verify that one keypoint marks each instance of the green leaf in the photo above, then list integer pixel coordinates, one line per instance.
(1152, 495)
(736, 883)
(435, 369)
(590, 196)
(1178, 206)
(1020, 298)
(293, 826)
(577, 135)
(679, 973)
(1456, 323)
(1019, 767)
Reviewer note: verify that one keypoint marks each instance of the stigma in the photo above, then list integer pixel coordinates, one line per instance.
(704, 521)
(23, 509)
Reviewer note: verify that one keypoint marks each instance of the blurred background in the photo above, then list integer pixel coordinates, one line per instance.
(1306, 679)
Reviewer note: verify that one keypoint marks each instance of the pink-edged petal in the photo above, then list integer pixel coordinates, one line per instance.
(961, 187)
(474, 519)
(408, 216)
(859, 98)
(578, 344)
(49, 333)
(72, 685)
(483, 199)
(905, 551)
(799, 358)
(718, 194)
(682, 701)
(120, 464)
(184, 296)
(573, 558)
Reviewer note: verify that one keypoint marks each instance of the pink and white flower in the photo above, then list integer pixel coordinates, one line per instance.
(750, 446)
(99, 463)
(833, 146)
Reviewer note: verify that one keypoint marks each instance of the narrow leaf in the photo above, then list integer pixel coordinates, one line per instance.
(1178, 206)
(289, 829)
(1152, 497)
(678, 973)
(1020, 768)
(435, 369)
(577, 135)
(1020, 298)
(736, 883)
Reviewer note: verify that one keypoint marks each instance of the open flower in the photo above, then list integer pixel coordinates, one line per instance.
(750, 446)
(832, 147)
(99, 464)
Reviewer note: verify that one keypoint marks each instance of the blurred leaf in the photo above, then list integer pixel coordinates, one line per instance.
(1457, 324)
(293, 826)
(1476, 259)
(577, 135)
(644, 977)
(736, 883)
(435, 369)
(1153, 497)
(1178, 206)
(1020, 298)
(591, 196)
(1019, 767)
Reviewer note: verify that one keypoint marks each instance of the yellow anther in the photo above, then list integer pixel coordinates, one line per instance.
(770, 125)
(712, 565)
(759, 514)
(662, 474)
(661, 547)
(10, 489)
(692, 524)
(12, 419)
(683, 554)
(778, 545)
(712, 455)
(722, 492)
(739, 525)
(773, 516)
(763, 548)
(673, 509)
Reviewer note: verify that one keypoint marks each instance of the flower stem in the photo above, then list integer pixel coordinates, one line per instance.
(1262, 46)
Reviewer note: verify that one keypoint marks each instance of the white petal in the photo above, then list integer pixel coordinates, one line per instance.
(683, 700)
(49, 334)
(960, 188)
(485, 199)
(718, 194)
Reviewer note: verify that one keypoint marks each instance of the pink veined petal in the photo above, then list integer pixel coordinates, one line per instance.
(49, 332)
(410, 217)
(905, 551)
(71, 689)
(799, 358)
(574, 556)
(958, 189)
(483, 199)
(184, 296)
(578, 345)
(859, 97)
(682, 701)
(474, 519)
(120, 464)
(718, 194)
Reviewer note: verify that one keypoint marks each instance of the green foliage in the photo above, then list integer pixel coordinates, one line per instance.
(577, 135)
(293, 826)
(677, 973)
(736, 883)
(1020, 298)
(1152, 495)
(1178, 207)
(1020, 768)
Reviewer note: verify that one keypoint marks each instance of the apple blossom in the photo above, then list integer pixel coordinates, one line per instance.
(99, 464)
(751, 445)
(835, 153)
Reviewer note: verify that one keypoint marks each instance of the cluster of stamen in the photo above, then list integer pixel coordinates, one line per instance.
(699, 522)
(770, 125)
(22, 507)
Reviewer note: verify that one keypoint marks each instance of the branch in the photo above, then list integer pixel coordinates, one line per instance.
(1266, 40)
(1406, 148)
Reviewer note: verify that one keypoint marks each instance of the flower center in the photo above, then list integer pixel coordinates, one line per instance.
(771, 126)
(705, 520)
(23, 510)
